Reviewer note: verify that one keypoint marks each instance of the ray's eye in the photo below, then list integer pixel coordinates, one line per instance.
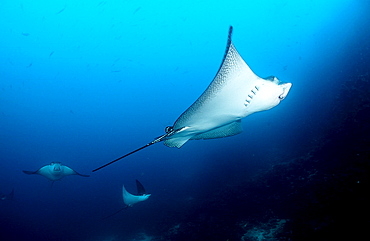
(168, 129)
(281, 97)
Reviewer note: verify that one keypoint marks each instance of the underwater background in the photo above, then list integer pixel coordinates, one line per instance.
(85, 82)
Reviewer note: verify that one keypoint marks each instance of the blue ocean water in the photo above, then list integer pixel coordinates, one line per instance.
(84, 82)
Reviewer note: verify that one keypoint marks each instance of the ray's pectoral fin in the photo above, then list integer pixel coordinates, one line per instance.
(69, 171)
(140, 188)
(177, 140)
(30, 172)
(82, 175)
(231, 129)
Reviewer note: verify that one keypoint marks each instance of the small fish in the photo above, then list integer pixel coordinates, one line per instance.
(137, 10)
(60, 11)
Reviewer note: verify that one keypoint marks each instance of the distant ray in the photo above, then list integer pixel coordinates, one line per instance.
(55, 171)
(129, 199)
(10, 196)
(234, 93)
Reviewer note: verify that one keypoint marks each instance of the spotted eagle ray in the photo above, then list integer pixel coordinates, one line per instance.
(55, 171)
(129, 199)
(234, 93)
